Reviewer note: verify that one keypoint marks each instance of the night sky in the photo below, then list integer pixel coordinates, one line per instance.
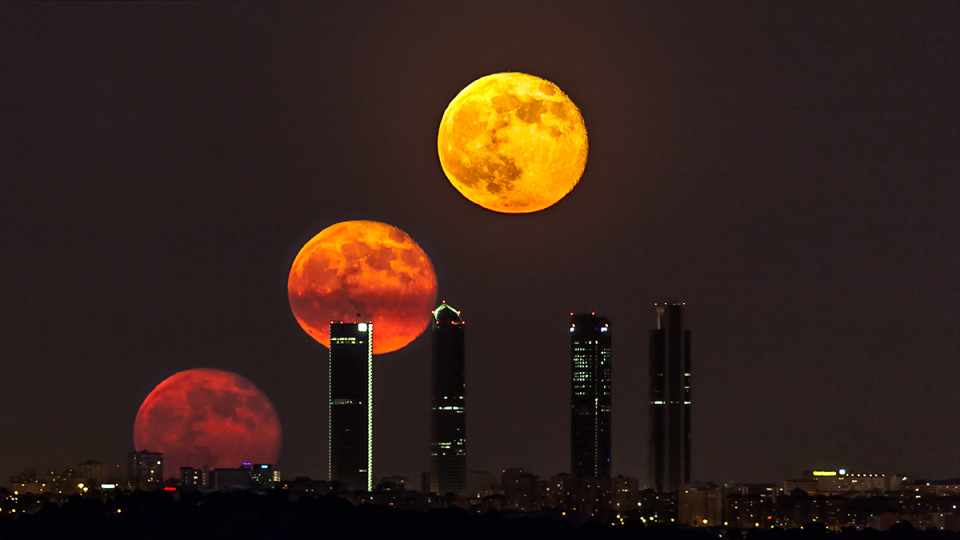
(787, 169)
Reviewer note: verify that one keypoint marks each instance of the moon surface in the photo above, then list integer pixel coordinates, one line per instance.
(363, 271)
(512, 143)
(208, 417)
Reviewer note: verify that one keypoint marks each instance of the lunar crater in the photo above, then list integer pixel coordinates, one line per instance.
(530, 111)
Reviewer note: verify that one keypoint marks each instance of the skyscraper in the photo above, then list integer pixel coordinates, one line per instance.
(350, 413)
(590, 395)
(669, 399)
(448, 431)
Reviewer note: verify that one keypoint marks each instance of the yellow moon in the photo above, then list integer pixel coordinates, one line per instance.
(512, 143)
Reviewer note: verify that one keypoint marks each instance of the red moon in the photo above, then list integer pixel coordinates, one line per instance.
(208, 417)
(363, 271)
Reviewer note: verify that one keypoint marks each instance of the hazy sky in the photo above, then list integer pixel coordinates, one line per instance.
(788, 169)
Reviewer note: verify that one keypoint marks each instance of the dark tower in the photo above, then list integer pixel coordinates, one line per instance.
(351, 405)
(669, 400)
(448, 432)
(590, 396)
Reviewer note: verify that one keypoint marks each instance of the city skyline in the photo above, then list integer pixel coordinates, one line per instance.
(818, 501)
(590, 349)
(788, 170)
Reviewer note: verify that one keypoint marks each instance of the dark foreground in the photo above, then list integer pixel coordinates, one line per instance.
(243, 515)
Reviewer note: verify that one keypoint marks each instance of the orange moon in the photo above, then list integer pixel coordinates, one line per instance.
(208, 417)
(363, 271)
(512, 143)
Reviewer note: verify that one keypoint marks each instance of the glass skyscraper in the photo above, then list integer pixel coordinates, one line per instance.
(590, 391)
(350, 412)
(670, 400)
(448, 431)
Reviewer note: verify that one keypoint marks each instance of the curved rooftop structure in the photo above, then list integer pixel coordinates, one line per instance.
(445, 313)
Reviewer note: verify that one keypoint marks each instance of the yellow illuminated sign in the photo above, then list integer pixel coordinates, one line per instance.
(824, 473)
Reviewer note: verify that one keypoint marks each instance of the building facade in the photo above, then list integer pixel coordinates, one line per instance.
(670, 400)
(145, 470)
(590, 392)
(842, 482)
(448, 430)
(192, 478)
(93, 471)
(264, 475)
(230, 479)
(350, 411)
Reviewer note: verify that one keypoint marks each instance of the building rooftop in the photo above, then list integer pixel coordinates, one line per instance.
(445, 313)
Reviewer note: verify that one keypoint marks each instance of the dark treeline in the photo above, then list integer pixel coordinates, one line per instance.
(243, 515)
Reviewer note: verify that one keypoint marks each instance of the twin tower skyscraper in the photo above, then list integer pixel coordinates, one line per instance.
(350, 411)
(669, 403)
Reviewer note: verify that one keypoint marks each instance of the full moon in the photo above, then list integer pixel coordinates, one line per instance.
(363, 271)
(208, 417)
(512, 143)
